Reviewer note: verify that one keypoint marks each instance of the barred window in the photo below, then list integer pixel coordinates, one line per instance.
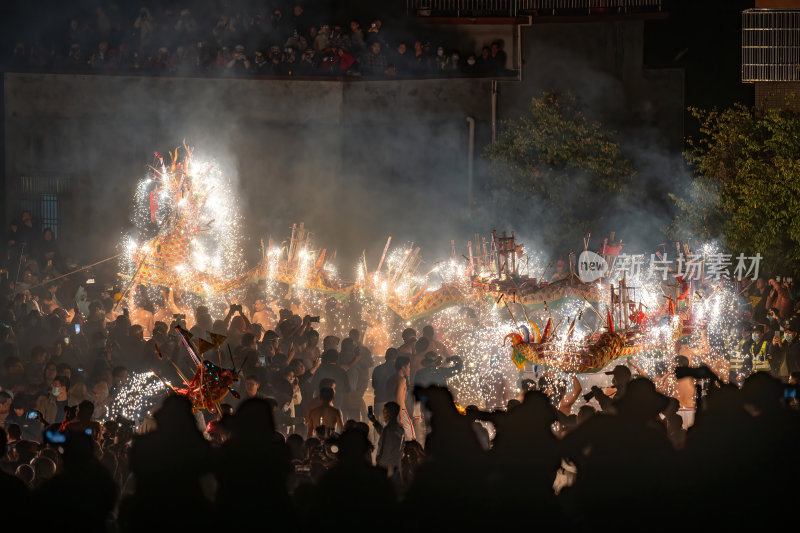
(770, 45)
(41, 195)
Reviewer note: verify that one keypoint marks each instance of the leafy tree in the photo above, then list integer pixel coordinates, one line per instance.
(555, 166)
(746, 188)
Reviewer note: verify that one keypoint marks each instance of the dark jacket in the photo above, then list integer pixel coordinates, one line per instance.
(390, 444)
(788, 352)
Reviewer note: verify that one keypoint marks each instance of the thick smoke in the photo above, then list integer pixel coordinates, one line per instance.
(354, 161)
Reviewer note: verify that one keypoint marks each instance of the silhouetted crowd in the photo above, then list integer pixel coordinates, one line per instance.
(326, 434)
(248, 40)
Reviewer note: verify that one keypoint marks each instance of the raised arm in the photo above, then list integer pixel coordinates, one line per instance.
(638, 368)
(568, 401)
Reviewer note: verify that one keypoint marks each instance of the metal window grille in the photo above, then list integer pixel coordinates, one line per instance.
(41, 195)
(513, 8)
(770, 45)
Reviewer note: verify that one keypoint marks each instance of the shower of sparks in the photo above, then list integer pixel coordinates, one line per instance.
(195, 205)
(141, 392)
(473, 329)
(476, 334)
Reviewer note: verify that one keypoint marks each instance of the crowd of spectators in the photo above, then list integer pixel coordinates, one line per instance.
(327, 434)
(257, 42)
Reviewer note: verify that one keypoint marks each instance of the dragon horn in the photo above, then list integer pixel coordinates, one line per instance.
(609, 320)
(571, 328)
(546, 332)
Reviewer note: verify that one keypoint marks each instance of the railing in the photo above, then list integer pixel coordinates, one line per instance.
(514, 8)
(771, 45)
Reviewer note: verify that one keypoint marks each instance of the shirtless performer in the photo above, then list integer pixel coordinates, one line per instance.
(263, 315)
(398, 388)
(139, 315)
(325, 415)
(170, 308)
(684, 392)
(684, 389)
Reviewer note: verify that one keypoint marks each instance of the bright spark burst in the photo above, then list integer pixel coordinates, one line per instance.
(191, 202)
(141, 392)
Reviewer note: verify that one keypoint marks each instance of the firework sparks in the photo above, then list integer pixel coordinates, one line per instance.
(186, 229)
(140, 393)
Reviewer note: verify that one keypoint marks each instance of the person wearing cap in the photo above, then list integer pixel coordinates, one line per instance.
(786, 351)
(427, 375)
(621, 376)
(757, 350)
(773, 320)
(432, 371)
(740, 362)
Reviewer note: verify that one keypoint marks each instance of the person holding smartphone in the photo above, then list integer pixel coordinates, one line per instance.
(785, 357)
(392, 436)
(779, 298)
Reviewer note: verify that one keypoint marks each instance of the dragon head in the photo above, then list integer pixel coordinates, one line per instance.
(516, 339)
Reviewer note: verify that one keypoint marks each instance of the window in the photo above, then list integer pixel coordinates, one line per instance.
(41, 196)
(771, 45)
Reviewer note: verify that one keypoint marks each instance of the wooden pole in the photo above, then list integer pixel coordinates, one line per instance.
(471, 261)
(383, 255)
(51, 280)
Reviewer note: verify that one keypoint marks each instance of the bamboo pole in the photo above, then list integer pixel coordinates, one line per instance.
(73, 272)
(383, 255)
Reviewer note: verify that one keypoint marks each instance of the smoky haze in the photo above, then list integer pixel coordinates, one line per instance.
(356, 161)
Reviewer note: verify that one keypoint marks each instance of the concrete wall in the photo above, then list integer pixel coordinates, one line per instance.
(602, 63)
(364, 155)
(355, 161)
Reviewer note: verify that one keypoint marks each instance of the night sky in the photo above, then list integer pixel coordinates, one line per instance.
(703, 37)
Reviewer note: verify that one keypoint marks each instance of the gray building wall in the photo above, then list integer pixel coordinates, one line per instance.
(602, 63)
(355, 161)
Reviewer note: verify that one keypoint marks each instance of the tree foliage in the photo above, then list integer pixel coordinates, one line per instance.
(746, 188)
(555, 162)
